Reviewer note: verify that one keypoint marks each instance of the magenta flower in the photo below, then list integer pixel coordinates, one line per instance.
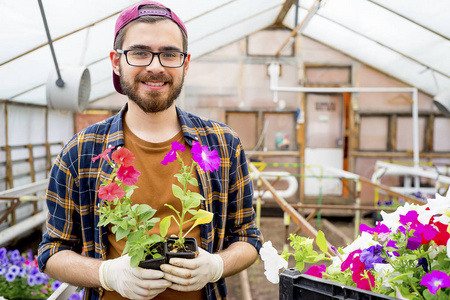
(207, 160)
(316, 271)
(380, 228)
(348, 262)
(435, 280)
(103, 155)
(172, 155)
(410, 218)
(128, 175)
(110, 192)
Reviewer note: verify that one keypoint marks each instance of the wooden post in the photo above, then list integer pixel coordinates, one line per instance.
(9, 173)
(32, 172)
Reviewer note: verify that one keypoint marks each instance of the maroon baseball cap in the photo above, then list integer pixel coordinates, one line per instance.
(134, 12)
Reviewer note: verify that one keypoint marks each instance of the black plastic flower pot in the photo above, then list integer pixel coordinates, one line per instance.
(189, 251)
(155, 263)
(297, 286)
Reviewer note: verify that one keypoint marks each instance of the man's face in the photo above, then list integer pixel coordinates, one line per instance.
(153, 88)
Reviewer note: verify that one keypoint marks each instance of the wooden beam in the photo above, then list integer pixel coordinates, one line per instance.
(283, 12)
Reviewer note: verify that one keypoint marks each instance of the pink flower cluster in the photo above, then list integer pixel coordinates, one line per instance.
(126, 173)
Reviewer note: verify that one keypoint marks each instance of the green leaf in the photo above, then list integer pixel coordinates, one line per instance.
(147, 215)
(134, 236)
(124, 224)
(164, 226)
(193, 181)
(143, 208)
(197, 196)
(121, 233)
(177, 191)
(321, 242)
(191, 203)
(127, 248)
(136, 259)
(173, 208)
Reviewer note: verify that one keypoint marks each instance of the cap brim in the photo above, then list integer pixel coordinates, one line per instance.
(116, 81)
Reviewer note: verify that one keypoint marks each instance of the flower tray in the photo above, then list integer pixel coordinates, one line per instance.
(297, 286)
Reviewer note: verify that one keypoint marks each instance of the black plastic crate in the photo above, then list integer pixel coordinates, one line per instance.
(297, 286)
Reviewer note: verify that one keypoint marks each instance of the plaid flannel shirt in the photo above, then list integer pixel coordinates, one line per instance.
(72, 199)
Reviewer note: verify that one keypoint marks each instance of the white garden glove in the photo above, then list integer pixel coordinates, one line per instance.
(133, 283)
(193, 274)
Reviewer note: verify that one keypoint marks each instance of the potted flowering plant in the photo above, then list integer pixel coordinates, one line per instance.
(131, 221)
(407, 254)
(207, 161)
(20, 277)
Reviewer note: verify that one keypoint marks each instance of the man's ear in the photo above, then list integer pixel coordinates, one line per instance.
(114, 56)
(186, 63)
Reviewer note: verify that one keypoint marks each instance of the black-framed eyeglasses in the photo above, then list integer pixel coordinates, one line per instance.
(143, 58)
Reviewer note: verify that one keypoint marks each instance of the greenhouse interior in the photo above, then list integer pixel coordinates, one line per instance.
(336, 113)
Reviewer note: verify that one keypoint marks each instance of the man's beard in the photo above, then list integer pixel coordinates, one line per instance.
(152, 102)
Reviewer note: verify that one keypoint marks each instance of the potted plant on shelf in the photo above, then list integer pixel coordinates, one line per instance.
(407, 255)
(182, 246)
(131, 221)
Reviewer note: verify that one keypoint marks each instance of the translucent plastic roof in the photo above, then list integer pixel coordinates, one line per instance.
(409, 41)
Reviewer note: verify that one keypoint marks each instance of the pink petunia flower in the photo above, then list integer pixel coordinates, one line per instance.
(103, 155)
(172, 155)
(123, 157)
(316, 271)
(128, 175)
(207, 160)
(110, 192)
(435, 280)
(359, 277)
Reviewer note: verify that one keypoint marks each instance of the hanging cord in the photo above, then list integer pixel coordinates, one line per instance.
(59, 81)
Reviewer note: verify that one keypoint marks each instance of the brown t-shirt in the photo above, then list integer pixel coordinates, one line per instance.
(155, 189)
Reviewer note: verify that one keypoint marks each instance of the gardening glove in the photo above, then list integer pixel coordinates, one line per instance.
(134, 283)
(193, 274)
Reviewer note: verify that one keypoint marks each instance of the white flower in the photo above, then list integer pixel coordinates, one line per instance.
(363, 242)
(272, 262)
(439, 205)
(448, 248)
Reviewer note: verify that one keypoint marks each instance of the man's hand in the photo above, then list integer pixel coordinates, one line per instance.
(193, 274)
(134, 283)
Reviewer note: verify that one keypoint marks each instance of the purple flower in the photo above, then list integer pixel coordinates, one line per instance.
(14, 270)
(393, 244)
(31, 280)
(371, 256)
(34, 271)
(14, 255)
(435, 280)
(75, 296)
(55, 285)
(2, 252)
(413, 243)
(10, 277)
(3, 270)
(39, 279)
(424, 263)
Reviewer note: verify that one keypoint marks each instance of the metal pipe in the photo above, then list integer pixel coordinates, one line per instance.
(59, 81)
